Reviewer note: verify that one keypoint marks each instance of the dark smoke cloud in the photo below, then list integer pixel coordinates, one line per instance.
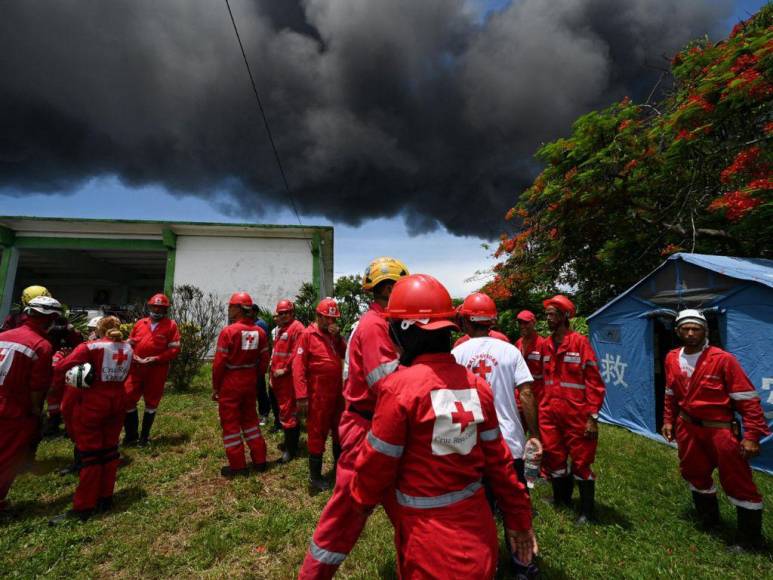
(405, 107)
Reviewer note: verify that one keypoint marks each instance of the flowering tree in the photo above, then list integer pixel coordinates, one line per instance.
(638, 181)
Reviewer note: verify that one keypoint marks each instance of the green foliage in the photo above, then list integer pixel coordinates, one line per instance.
(348, 293)
(636, 182)
(199, 318)
(126, 329)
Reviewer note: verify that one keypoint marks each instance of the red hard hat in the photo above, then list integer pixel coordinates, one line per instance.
(424, 300)
(526, 316)
(284, 306)
(479, 308)
(240, 299)
(328, 307)
(158, 300)
(562, 303)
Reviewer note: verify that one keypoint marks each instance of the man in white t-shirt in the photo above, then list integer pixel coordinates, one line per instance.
(503, 367)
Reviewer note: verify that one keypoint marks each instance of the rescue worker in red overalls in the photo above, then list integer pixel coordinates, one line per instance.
(530, 344)
(317, 374)
(371, 357)
(55, 393)
(286, 334)
(435, 437)
(156, 342)
(479, 302)
(568, 416)
(705, 387)
(94, 406)
(242, 353)
(25, 375)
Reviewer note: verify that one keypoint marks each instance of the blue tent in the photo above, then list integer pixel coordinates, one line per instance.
(633, 332)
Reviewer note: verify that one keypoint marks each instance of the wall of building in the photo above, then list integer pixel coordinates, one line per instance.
(268, 268)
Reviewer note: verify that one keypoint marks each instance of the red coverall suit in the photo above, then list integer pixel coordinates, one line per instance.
(285, 341)
(25, 368)
(317, 368)
(242, 353)
(532, 353)
(718, 387)
(573, 390)
(435, 436)
(147, 381)
(372, 357)
(492, 333)
(94, 416)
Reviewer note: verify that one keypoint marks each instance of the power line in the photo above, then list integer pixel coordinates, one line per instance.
(263, 114)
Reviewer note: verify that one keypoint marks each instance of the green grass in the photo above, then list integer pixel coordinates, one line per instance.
(175, 516)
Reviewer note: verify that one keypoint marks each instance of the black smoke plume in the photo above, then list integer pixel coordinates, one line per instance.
(418, 108)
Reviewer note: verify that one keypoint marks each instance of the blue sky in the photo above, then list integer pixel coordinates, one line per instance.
(452, 259)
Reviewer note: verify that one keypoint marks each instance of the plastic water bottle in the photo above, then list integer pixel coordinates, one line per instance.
(531, 464)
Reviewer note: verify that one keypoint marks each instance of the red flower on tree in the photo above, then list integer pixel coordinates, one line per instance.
(735, 203)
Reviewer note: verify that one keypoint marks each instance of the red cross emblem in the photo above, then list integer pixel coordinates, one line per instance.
(482, 370)
(249, 338)
(120, 357)
(462, 416)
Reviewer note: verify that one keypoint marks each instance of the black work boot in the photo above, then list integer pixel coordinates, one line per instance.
(587, 501)
(51, 428)
(130, 425)
(562, 490)
(291, 437)
(75, 466)
(105, 504)
(749, 534)
(229, 472)
(81, 515)
(707, 507)
(315, 473)
(147, 425)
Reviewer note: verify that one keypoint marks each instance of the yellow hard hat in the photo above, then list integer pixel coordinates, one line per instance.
(384, 268)
(31, 292)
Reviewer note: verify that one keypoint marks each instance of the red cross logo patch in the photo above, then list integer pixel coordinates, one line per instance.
(457, 414)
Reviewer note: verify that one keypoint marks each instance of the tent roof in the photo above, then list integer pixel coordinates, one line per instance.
(756, 270)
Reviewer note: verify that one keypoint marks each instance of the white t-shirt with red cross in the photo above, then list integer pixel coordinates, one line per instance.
(502, 366)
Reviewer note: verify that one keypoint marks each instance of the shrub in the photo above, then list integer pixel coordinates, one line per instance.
(199, 318)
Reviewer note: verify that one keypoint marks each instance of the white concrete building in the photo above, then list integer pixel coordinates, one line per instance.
(88, 263)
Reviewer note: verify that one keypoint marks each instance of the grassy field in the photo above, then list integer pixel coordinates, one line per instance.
(175, 516)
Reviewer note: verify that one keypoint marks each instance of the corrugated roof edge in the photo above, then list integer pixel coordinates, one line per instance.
(720, 264)
(163, 222)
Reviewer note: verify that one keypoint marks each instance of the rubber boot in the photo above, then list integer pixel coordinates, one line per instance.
(748, 537)
(75, 466)
(587, 501)
(315, 473)
(105, 504)
(707, 507)
(51, 428)
(81, 515)
(228, 472)
(291, 437)
(562, 490)
(130, 425)
(147, 425)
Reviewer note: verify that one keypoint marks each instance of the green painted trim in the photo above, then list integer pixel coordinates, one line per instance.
(44, 243)
(171, 256)
(7, 236)
(169, 238)
(316, 256)
(165, 223)
(5, 263)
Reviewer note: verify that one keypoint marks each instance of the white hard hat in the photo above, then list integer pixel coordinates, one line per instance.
(93, 322)
(80, 376)
(44, 305)
(691, 315)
